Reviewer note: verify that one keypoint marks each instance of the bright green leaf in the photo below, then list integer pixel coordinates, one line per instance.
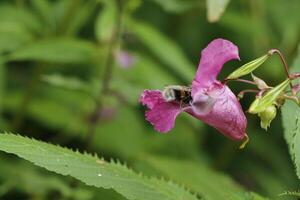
(248, 67)
(91, 170)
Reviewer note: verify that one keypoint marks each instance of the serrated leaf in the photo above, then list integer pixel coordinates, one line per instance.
(92, 170)
(248, 67)
(23, 176)
(260, 104)
(208, 183)
(291, 123)
(215, 9)
(165, 49)
(60, 50)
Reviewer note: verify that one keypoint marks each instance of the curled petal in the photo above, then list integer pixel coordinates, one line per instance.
(226, 115)
(213, 57)
(161, 114)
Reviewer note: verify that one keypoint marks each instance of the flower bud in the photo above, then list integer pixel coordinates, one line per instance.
(262, 103)
(248, 67)
(296, 89)
(267, 116)
(259, 82)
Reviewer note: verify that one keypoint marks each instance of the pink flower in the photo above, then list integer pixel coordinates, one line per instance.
(125, 59)
(211, 101)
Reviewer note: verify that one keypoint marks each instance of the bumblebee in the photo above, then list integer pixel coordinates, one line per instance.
(177, 93)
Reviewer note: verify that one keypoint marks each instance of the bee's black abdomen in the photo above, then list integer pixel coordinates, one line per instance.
(183, 96)
(177, 94)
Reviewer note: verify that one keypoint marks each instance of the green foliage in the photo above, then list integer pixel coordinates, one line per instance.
(59, 50)
(92, 170)
(106, 20)
(56, 58)
(164, 48)
(201, 178)
(290, 118)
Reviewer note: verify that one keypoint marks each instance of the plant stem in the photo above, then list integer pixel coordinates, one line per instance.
(17, 121)
(286, 67)
(239, 80)
(107, 76)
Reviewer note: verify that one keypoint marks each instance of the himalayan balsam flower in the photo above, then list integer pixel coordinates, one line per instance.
(125, 59)
(212, 101)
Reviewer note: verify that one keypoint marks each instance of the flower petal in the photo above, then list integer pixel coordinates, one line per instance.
(213, 57)
(203, 103)
(150, 98)
(226, 114)
(161, 114)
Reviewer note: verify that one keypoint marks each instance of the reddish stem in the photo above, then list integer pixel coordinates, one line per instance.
(286, 67)
(239, 80)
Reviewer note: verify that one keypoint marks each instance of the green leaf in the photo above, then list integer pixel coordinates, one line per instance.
(22, 15)
(23, 176)
(60, 50)
(13, 35)
(215, 9)
(70, 83)
(165, 49)
(79, 17)
(291, 123)
(260, 104)
(106, 21)
(248, 67)
(208, 183)
(45, 10)
(91, 170)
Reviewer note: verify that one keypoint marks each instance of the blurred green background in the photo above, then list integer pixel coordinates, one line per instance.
(72, 72)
